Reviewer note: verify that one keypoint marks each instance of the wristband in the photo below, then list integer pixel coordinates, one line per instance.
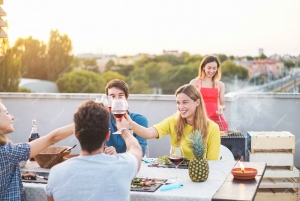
(123, 129)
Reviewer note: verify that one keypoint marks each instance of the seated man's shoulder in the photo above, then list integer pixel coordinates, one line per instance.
(137, 117)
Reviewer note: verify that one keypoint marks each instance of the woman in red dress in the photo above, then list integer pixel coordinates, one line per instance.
(212, 89)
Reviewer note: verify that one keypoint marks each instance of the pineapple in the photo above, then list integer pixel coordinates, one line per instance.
(198, 165)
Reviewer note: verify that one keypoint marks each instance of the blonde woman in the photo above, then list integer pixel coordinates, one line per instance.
(212, 89)
(191, 116)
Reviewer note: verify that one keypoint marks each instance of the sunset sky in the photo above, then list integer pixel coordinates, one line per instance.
(231, 27)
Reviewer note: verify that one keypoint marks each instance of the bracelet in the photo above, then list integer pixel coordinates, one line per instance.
(123, 129)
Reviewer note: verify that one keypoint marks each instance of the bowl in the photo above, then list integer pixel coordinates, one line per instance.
(51, 156)
(69, 156)
(248, 173)
(22, 164)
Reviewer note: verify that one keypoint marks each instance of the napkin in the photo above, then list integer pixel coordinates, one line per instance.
(147, 160)
(171, 186)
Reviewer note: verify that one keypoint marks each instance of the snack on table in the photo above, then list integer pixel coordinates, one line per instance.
(28, 176)
(144, 183)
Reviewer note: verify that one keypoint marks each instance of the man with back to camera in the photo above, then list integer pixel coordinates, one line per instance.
(94, 175)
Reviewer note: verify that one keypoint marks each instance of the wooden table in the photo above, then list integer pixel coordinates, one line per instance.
(234, 189)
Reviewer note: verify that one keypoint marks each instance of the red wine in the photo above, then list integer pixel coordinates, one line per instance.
(176, 160)
(33, 136)
(118, 113)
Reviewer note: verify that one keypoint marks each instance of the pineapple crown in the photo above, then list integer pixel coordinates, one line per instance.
(196, 144)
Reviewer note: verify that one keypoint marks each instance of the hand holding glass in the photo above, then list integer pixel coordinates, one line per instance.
(118, 108)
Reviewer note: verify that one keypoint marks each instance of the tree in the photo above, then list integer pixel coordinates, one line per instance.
(193, 58)
(125, 69)
(32, 54)
(262, 56)
(139, 87)
(109, 64)
(80, 81)
(172, 59)
(59, 55)
(222, 57)
(289, 64)
(110, 75)
(10, 72)
(176, 77)
(230, 69)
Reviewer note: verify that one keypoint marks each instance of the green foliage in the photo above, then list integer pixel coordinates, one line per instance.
(262, 56)
(24, 90)
(110, 75)
(177, 76)
(289, 64)
(125, 69)
(169, 58)
(109, 65)
(196, 144)
(10, 72)
(194, 58)
(32, 53)
(230, 69)
(80, 81)
(222, 57)
(139, 87)
(59, 56)
(154, 71)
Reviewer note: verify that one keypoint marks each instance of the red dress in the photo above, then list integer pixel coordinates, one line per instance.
(210, 97)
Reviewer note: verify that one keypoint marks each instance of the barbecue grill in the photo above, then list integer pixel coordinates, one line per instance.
(234, 139)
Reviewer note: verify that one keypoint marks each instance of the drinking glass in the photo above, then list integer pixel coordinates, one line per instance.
(119, 107)
(176, 157)
(106, 101)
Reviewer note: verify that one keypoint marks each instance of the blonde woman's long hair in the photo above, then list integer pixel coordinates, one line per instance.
(206, 60)
(3, 138)
(200, 118)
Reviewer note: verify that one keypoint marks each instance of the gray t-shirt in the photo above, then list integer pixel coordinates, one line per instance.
(89, 178)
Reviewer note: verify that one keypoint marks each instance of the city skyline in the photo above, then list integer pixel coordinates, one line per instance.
(132, 27)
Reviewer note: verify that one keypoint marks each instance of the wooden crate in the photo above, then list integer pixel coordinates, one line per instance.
(273, 158)
(282, 194)
(270, 141)
(281, 172)
(279, 183)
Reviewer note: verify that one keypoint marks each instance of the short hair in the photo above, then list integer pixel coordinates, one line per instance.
(91, 125)
(120, 84)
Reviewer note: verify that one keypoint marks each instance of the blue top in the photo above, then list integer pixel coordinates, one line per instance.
(11, 187)
(118, 142)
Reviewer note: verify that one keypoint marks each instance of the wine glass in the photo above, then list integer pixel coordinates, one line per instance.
(106, 101)
(176, 157)
(119, 107)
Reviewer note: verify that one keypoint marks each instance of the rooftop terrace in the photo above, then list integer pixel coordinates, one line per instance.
(253, 111)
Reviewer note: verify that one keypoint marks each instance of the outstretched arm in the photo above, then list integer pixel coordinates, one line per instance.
(40, 144)
(147, 133)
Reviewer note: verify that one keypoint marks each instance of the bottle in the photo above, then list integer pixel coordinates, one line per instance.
(34, 134)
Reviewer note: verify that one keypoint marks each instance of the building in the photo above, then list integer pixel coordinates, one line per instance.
(172, 52)
(3, 35)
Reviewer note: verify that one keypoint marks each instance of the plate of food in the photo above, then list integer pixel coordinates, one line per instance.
(30, 177)
(146, 184)
(164, 162)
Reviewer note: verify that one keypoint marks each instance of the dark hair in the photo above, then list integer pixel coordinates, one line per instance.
(206, 60)
(120, 84)
(91, 125)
